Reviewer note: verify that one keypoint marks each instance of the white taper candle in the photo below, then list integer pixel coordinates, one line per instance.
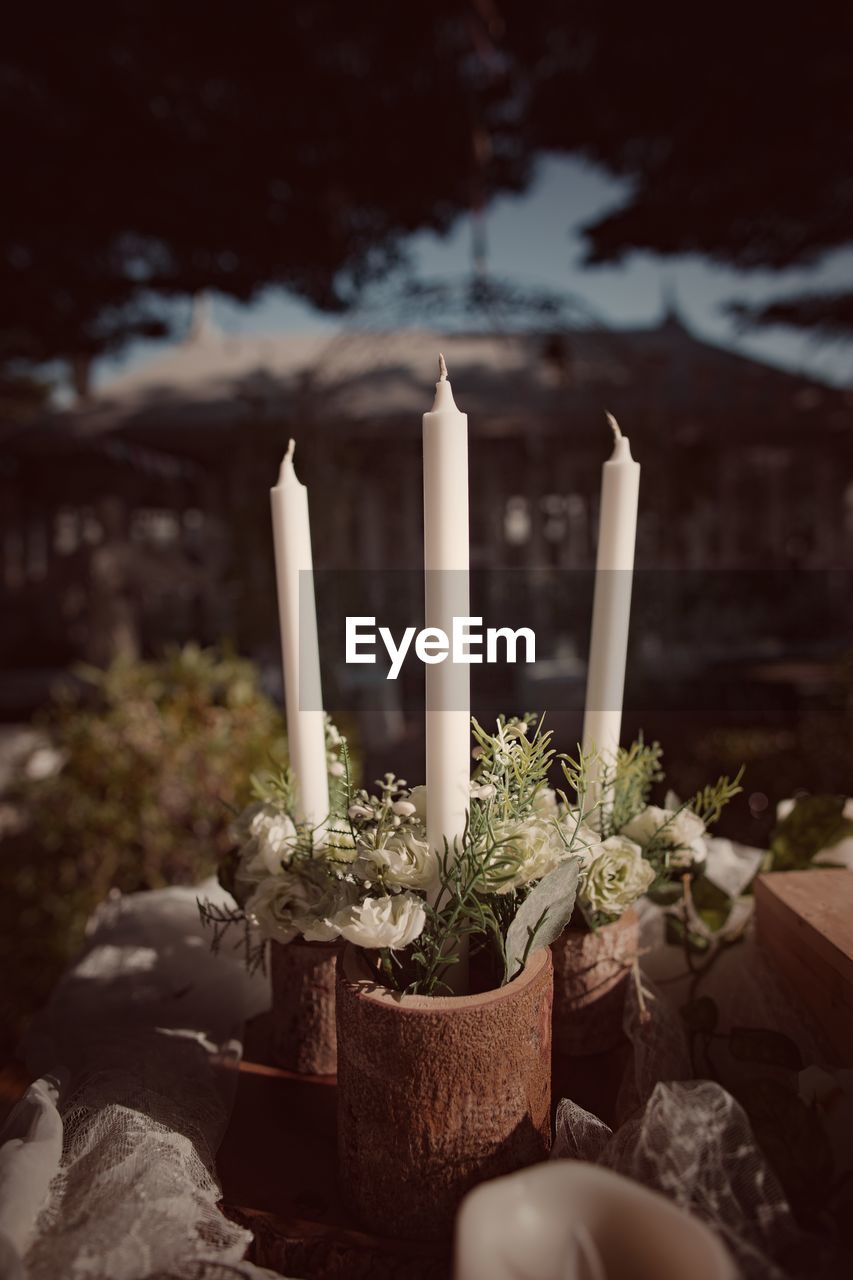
(300, 650)
(448, 699)
(614, 567)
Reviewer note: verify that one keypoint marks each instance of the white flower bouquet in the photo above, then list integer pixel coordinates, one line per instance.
(530, 860)
(642, 848)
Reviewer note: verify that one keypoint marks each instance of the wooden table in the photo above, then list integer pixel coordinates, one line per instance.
(804, 920)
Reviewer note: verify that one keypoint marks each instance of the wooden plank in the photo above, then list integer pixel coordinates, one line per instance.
(823, 900)
(804, 919)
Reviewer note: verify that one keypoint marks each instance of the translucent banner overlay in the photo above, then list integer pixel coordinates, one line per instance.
(716, 641)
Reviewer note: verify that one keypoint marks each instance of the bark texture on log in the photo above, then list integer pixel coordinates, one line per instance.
(303, 1006)
(437, 1094)
(591, 969)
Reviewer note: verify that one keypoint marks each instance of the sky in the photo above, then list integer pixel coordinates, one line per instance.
(533, 239)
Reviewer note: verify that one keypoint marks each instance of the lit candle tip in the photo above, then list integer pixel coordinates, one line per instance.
(617, 433)
(442, 368)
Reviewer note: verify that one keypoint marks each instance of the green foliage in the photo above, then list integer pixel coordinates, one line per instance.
(713, 905)
(709, 802)
(814, 823)
(155, 765)
(630, 782)
(677, 934)
(464, 910)
(513, 763)
(542, 916)
(575, 770)
(157, 756)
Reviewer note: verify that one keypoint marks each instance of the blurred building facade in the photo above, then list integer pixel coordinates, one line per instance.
(141, 515)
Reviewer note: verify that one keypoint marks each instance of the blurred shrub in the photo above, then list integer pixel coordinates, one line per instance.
(153, 759)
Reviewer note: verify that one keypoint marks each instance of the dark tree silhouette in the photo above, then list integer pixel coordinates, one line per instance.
(733, 124)
(153, 149)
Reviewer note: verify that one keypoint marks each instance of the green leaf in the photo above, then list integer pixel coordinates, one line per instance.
(814, 823)
(712, 904)
(771, 1048)
(701, 1015)
(674, 934)
(708, 897)
(542, 916)
(665, 893)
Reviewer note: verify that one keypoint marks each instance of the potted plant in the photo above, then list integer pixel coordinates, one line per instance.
(628, 848)
(285, 876)
(439, 1091)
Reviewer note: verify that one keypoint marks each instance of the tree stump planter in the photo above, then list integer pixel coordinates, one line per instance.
(591, 971)
(438, 1093)
(303, 1006)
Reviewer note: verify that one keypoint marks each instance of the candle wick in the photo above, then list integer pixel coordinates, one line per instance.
(291, 449)
(442, 368)
(617, 433)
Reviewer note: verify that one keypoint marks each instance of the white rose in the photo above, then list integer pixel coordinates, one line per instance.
(681, 831)
(393, 921)
(404, 859)
(287, 905)
(270, 840)
(616, 876)
(531, 848)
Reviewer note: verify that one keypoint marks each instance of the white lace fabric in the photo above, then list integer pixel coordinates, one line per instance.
(147, 1030)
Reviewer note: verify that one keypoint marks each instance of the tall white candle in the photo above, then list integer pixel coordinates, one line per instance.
(300, 650)
(614, 569)
(448, 698)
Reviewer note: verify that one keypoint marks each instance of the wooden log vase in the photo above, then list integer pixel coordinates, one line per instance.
(304, 1036)
(592, 968)
(437, 1094)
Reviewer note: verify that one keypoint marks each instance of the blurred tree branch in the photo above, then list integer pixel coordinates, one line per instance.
(733, 125)
(829, 315)
(152, 151)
